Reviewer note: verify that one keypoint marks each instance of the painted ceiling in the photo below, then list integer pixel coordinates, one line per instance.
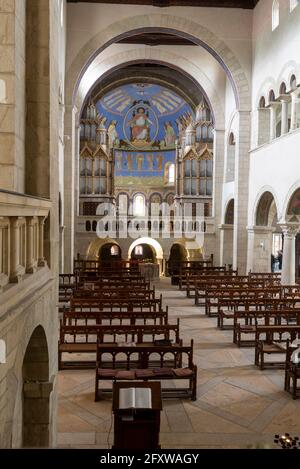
(143, 116)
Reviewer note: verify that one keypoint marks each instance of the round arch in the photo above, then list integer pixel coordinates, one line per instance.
(264, 190)
(229, 212)
(291, 193)
(161, 57)
(178, 26)
(266, 210)
(95, 246)
(151, 242)
(35, 372)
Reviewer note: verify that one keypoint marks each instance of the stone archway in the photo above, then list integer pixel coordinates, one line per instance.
(36, 392)
(265, 235)
(110, 255)
(183, 27)
(155, 247)
(158, 56)
(178, 254)
(151, 242)
(96, 245)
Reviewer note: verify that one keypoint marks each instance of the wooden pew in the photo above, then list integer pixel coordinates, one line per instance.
(109, 316)
(274, 342)
(115, 293)
(83, 339)
(147, 362)
(213, 296)
(245, 322)
(121, 304)
(292, 372)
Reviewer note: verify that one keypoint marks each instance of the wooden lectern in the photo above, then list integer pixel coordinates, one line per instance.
(137, 428)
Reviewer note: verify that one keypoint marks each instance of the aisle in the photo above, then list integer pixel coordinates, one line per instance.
(237, 405)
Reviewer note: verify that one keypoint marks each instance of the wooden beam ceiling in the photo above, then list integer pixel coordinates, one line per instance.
(245, 4)
(157, 39)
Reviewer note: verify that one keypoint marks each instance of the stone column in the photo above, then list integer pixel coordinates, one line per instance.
(284, 117)
(218, 175)
(12, 94)
(226, 244)
(36, 414)
(273, 121)
(288, 257)
(259, 248)
(69, 191)
(16, 270)
(61, 248)
(31, 266)
(263, 126)
(295, 101)
(241, 191)
(41, 259)
(4, 252)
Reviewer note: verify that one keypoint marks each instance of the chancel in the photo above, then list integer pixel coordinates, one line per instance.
(149, 223)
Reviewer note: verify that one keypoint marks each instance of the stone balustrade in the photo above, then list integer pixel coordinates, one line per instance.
(22, 221)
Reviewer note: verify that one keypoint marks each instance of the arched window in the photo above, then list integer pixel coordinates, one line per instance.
(293, 83)
(139, 205)
(282, 89)
(138, 250)
(114, 250)
(230, 166)
(271, 96)
(171, 174)
(293, 4)
(262, 102)
(275, 14)
(231, 139)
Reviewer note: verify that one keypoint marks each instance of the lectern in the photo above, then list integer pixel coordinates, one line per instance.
(137, 428)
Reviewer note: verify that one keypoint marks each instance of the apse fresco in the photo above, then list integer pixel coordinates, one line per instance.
(143, 116)
(143, 121)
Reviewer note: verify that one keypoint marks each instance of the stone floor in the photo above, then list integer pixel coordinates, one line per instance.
(238, 406)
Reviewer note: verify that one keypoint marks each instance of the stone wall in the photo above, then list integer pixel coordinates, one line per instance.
(12, 94)
(30, 303)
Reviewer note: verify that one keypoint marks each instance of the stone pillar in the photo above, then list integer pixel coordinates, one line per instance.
(295, 101)
(259, 248)
(226, 244)
(273, 121)
(16, 270)
(263, 126)
(31, 266)
(61, 249)
(69, 191)
(241, 192)
(4, 252)
(36, 414)
(41, 259)
(218, 172)
(12, 94)
(284, 117)
(288, 257)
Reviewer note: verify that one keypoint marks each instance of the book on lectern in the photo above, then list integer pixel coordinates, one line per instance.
(135, 398)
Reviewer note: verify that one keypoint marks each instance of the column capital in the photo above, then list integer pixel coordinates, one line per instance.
(290, 230)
